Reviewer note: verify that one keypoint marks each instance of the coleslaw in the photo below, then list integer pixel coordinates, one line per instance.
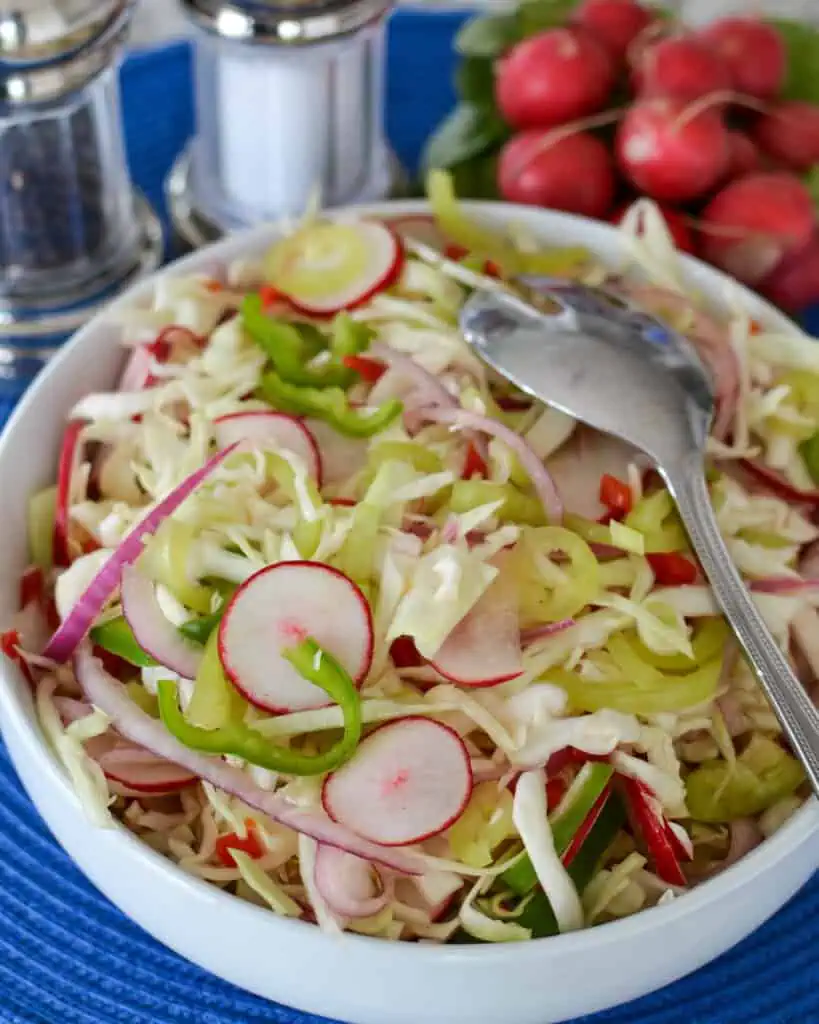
(338, 621)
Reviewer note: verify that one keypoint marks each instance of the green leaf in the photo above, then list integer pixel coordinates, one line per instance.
(488, 36)
(475, 82)
(477, 179)
(535, 16)
(467, 132)
(812, 182)
(802, 43)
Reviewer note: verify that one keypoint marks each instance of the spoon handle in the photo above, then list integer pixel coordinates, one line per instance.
(794, 709)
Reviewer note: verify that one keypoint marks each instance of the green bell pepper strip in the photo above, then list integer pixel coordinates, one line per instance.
(566, 821)
(763, 774)
(350, 338)
(199, 629)
(116, 637)
(242, 741)
(538, 915)
(284, 347)
(328, 404)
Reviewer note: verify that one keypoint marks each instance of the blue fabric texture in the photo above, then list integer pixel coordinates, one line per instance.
(67, 956)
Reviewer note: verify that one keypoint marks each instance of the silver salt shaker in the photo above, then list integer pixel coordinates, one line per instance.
(290, 107)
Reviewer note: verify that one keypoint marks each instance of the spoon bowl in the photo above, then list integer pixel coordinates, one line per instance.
(624, 372)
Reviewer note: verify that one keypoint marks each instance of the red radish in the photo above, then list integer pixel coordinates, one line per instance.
(270, 428)
(681, 67)
(484, 648)
(573, 173)
(154, 633)
(794, 284)
(67, 492)
(133, 769)
(409, 780)
(675, 222)
(744, 156)
(278, 607)
(419, 227)
(578, 466)
(670, 153)
(753, 223)
(752, 51)
(789, 132)
(341, 457)
(553, 78)
(350, 886)
(614, 23)
(334, 265)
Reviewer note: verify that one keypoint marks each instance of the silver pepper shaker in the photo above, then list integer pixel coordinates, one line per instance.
(290, 106)
(72, 229)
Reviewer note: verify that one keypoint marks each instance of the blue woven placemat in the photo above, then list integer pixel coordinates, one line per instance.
(67, 956)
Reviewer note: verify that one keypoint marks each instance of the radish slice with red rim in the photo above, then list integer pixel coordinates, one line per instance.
(409, 780)
(341, 457)
(68, 477)
(270, 428)
(484, 649)
(154, 633)
(278, 607)
(419, 228)
(132, 769)
(350, 886)
(335, 265)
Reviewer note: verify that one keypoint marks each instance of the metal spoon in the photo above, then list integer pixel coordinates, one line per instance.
(622, 371)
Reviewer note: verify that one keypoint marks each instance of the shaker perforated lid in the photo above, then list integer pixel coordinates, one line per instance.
(49, 47)
(284, 22)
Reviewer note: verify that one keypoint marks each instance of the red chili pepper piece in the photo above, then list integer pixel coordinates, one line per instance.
(250, 844)
(455, 252)
(582, 834)
(343, 502)
(213, 285)
(370, 370)
(9, 644)
(650, 824)
(474, 463)
(270, 296)
(555, 791)
(562, 759)
(672, 569)
(615, 495)
(682, 852)
(404, 653)
(65, 469)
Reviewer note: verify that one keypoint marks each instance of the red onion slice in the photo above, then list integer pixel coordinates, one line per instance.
(778, 485)
(106, 693)
(349, 885)
(541, 478)
(152, 630)
(81, 617)
(790, 585)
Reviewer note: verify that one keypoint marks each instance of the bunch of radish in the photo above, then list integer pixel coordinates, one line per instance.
(620, 103)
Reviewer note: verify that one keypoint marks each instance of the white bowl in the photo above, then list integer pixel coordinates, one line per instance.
(362, 980)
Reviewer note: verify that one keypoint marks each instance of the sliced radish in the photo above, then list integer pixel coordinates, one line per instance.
(280, 606)
(68, 478)
(350, 886)
(578, 465)
(419, 228)
(133, 769)
(484, 648)
(341, 456)
(154, 633)
(409, 780)
(274, 428)
(335, 265)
